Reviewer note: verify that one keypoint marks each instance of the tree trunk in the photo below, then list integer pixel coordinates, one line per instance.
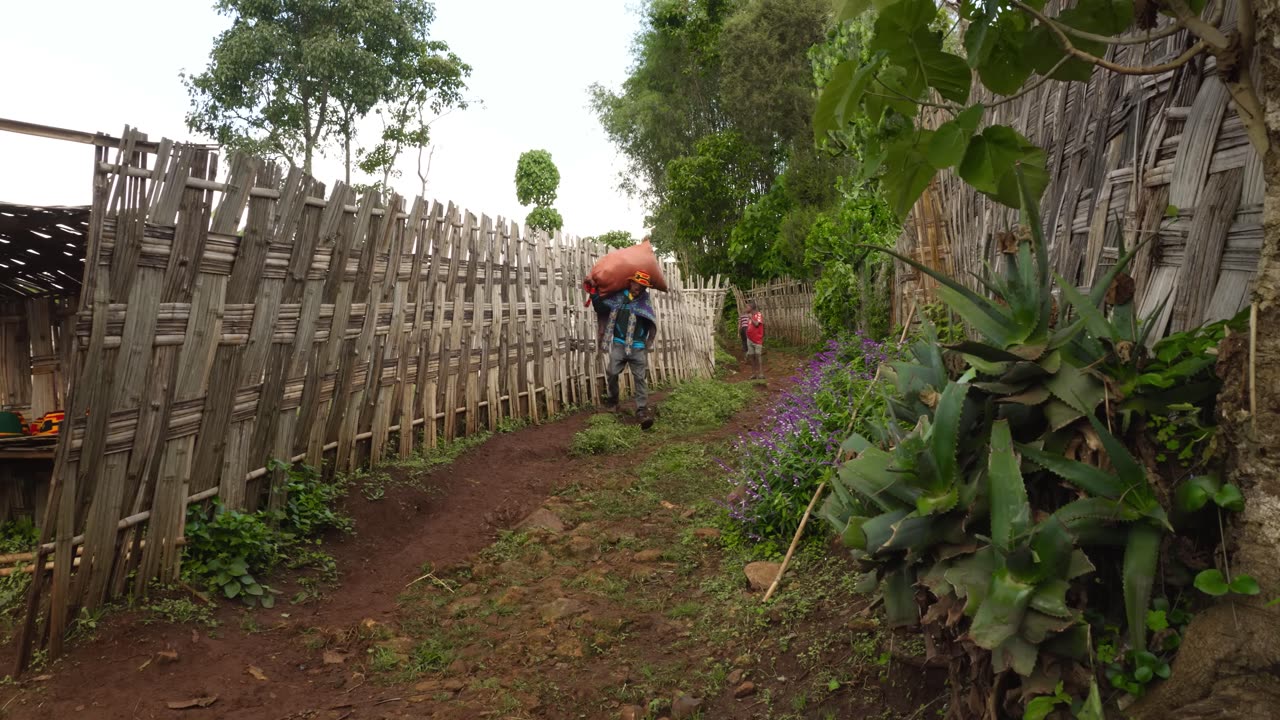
(1229, 662)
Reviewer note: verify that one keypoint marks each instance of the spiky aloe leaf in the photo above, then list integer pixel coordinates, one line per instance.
(946, 429)
(869, 475)
(1017, 655)
(855, 444)
(980, 313)
(1092, 480)
(912, 533)
(1050, 598)
(1059, 414)
(1080, 565)
(1038, 627)
(1094, 321)
(1000, 614)
(1099, 290)
(935, 579)
(1141, 557)
(983, 351)
(971, 577)
(1071, 643)
(878, 530)
(1031, 218)
(1010, 510)
(1137, 490)
(1052, 546)
(1092, 709)
(900, 597)
(1077, 388)
(941, 502)
(1089, 511)
(853, 535)
(1032, 396)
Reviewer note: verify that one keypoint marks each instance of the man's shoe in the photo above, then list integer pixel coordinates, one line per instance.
(610, 405)
(645, 417)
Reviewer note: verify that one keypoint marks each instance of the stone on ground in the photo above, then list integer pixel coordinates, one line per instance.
(761, 574)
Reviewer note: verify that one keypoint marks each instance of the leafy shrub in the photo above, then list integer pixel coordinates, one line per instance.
(776, 469)
(1016, 490)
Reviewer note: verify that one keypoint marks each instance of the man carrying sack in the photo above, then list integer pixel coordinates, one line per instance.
(629, 325)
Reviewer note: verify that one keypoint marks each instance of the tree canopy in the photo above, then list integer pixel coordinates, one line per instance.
(291, 76)
(537, 179)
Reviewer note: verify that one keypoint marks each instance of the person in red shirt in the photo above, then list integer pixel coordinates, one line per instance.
(755, 341)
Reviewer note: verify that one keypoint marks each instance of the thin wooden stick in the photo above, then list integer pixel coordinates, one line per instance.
(1253, 367)
(795, 540)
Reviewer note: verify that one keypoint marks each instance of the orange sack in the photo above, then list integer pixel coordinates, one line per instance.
(612, 272)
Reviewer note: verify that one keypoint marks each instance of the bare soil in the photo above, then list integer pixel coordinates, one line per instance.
(445, 608)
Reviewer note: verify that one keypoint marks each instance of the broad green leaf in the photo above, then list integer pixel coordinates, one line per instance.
(841, 96)
(1040, 707)
(1212, 583)
(1157, 620)
(951, 139)
(1092, 709)
(902, 30)
(989, 163)
(1244, 585)
(1003, 65)
(909, 171)
(1141, 560)
(1010, 511)
(979, 39)
(1051, 599)
(1000, 614)
(1195, 493)
(231, 589)
(1228, 497)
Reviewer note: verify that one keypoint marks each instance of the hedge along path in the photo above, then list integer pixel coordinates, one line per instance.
(231, 318)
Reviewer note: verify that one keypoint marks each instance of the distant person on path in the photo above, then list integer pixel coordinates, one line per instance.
(755, 340)
(629, 327)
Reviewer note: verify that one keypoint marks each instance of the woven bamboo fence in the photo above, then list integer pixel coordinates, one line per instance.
(32, 335)
(787, 306)
(224, 324)
(1129, 158)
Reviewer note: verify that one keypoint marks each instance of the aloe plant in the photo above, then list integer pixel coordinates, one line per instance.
(978, 502)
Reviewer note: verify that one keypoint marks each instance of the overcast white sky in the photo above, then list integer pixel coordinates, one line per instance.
(96, 66)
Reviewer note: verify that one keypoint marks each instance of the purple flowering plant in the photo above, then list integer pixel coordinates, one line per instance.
(775, 469)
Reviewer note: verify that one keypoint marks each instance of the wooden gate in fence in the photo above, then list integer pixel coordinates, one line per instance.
(226, 323)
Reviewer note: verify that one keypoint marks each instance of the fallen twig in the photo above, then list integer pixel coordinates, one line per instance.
(795, 540)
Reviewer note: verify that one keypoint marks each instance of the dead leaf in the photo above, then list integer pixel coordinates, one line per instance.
(668, 505)
(42, 678)
(170, 655)
(332, 657)
(200, 702)
(144, 665)
(257, 672)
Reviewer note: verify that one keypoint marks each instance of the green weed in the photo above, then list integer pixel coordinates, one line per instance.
(604, 435)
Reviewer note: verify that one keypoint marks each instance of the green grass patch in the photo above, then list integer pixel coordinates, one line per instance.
(444, 453)
(604, 435)
(700, 405)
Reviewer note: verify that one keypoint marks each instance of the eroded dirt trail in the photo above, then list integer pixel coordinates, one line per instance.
(615, 600)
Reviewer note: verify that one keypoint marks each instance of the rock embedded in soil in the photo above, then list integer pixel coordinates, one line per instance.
(746, 689)
(561, 608)
(707, 533)
(685, 707)
(631, 712)
(648, 556)
(580, 546)
(735, 677)
(513, 596)
(543, 519)
(761, 574)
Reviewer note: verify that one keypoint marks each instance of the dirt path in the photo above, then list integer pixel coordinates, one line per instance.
(622, 598)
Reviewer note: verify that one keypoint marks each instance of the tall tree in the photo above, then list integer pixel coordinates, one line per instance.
(289, 76)
(536, 181)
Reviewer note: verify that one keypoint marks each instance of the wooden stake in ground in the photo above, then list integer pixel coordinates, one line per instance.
(795, 541)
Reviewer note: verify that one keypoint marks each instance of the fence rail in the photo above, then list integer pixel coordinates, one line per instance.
(225, 322)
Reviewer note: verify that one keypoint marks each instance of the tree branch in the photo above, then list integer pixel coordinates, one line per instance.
(1208, 33)
(1073, 51)
(1040, 81)
(953, 109)
(1136, 39)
